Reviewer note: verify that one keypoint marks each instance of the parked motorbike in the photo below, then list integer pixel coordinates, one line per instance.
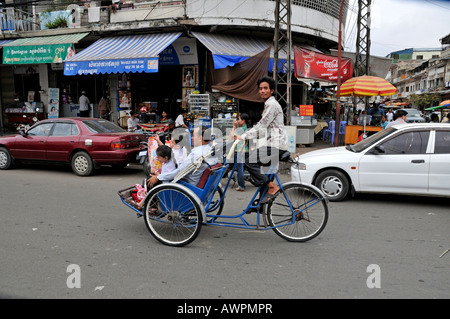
(25, 127)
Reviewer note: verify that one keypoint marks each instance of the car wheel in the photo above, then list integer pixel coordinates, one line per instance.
(82, 164)
(333, 184)
(5, 158)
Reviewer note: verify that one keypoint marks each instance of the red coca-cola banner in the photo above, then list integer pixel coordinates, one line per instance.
(312, 65)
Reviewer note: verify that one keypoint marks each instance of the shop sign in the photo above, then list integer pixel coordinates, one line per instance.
(181, 52)
(312, 65)
(51, 53)
(149, 65)
(306, 110)
(53, 103)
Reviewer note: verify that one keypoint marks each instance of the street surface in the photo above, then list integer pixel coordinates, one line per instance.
(65, 236)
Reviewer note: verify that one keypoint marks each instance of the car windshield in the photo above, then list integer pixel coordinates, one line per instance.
(361, 146)
(413, 112)
(102, 126)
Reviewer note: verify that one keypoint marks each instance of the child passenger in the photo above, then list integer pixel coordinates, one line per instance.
(164, 156)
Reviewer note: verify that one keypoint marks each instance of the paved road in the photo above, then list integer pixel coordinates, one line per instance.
(56, 226)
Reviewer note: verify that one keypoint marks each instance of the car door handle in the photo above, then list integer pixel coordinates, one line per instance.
(418, 161)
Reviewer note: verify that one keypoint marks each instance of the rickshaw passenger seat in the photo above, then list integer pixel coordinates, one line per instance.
(202, 182)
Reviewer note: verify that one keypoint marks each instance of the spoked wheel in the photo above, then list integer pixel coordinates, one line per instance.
(173, 215)
(309, 215)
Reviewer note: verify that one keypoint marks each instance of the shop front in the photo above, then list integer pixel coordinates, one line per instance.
(154, 71)
(28, 88)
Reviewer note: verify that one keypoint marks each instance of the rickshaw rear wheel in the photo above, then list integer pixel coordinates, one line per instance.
(173, 214)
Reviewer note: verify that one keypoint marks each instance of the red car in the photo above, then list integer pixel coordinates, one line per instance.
(84, 143)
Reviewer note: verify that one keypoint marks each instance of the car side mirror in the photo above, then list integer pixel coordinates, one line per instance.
(23, 133)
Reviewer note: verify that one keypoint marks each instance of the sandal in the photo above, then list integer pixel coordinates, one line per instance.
(268, 198)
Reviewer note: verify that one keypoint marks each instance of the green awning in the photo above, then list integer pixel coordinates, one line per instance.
(53, 49)
(436, 107)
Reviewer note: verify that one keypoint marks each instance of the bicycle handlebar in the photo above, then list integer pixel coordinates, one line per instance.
(231, 152)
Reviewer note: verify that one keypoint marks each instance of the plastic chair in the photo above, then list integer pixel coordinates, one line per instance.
(329, 131)
(342, 126)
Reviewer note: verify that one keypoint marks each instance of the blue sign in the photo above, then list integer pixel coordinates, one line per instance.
(148, 65)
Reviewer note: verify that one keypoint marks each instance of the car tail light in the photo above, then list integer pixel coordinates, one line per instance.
(123, 143)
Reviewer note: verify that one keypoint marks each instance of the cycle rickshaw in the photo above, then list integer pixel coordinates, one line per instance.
(175, 212)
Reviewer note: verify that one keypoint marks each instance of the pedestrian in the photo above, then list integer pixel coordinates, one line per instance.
(446, 119)
(239, 128)
(434, 118)
(103, 108)
(384, 122)
(399, 118)
(389, 116)
(273, 138)
(84, 105)
(133, 122)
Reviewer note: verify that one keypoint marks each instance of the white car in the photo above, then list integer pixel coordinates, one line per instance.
(411, 159)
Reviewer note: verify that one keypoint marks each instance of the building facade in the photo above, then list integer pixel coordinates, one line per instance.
(421, 72)
(30, 27)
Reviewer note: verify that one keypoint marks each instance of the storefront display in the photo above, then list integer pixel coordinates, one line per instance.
(224, 106)
(199, 105)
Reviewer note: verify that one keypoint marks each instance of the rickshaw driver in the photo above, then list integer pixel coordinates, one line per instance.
(272, 132)
(200, 137)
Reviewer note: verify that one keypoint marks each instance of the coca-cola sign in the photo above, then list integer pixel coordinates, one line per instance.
(312, 65)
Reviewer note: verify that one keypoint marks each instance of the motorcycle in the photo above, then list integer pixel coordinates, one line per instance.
(25, 127)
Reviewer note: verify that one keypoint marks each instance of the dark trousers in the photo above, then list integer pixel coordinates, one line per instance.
(259, 161)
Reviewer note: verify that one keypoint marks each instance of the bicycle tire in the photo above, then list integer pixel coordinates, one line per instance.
(310, 213)
(172, 215)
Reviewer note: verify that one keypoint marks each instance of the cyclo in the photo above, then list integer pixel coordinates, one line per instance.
(175, 212)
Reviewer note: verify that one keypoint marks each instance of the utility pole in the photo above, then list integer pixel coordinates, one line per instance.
(362, 60)
(282, 68)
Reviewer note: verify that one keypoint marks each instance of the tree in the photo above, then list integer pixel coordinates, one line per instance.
(425, 100)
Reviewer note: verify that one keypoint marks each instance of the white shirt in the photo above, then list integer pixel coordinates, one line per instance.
(84, 103)
(397, 121)
(180, 154)
(192, 178)
(389, 116)
(179, 121)
(132, 124)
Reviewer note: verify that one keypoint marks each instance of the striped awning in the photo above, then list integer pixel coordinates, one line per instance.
(56, 39)
(4, 42)
(130, 53)
(228, 50)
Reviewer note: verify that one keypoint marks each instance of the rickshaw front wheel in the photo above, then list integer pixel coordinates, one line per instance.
(173, 214)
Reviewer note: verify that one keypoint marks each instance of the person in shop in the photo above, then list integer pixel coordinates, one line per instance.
(179, 121)
(272, 135)
(133, 122)
(84, 105)
(103, 107)
(240, 127)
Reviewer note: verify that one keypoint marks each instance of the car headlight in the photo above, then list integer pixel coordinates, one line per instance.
(300, 166)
